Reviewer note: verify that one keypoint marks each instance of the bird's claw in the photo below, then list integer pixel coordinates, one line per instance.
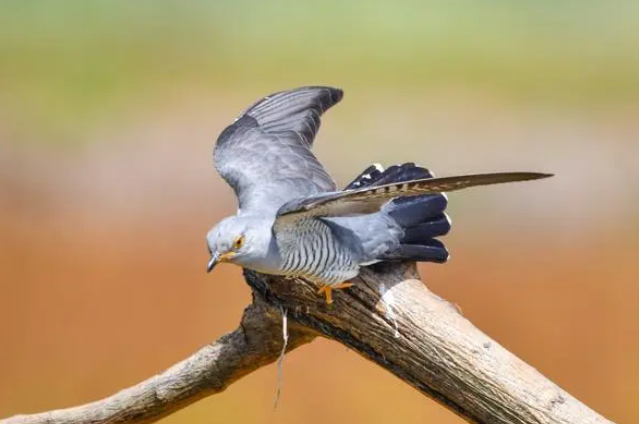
(327, 289)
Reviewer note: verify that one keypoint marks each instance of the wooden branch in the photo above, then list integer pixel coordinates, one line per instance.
(255, 343)
(389, 317)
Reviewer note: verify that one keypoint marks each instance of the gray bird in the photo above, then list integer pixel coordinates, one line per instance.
(294, 221)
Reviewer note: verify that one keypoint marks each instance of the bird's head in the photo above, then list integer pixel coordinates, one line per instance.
(238, 240)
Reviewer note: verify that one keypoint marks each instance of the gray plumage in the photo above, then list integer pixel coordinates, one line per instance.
(292, 219)
(265, 154)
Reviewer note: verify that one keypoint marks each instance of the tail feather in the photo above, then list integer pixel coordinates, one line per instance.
(403, 173)
(421, 217)
(434, 227)
(375, 175)
(366, 178)
(430, 251)
(414, 210)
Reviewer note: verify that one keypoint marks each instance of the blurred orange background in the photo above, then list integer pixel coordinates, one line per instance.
(108, 115)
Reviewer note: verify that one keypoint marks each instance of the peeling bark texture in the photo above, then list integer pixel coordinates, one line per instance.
(388, 317)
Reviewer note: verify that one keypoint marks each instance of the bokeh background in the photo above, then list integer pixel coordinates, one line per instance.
(108, 114)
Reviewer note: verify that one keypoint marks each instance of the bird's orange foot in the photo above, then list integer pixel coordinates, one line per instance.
(328, 290)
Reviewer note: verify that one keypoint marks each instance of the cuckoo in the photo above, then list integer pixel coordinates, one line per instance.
(292, 219)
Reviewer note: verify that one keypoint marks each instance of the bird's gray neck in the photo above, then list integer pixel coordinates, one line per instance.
(266, 254)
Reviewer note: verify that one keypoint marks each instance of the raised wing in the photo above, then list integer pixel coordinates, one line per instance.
(265, 154)
(368, 200)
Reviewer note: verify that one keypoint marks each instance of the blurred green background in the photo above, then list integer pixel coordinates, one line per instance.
(108, 114)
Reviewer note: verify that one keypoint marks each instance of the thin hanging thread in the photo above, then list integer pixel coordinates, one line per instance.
(280, 360)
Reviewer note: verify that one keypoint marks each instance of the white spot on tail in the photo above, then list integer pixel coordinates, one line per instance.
(377, 166)
(450, 222)
(389, 299)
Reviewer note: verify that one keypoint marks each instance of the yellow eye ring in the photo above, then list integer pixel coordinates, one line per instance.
(238, 242)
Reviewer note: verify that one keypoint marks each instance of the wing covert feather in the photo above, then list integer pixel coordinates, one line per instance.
(265, 154)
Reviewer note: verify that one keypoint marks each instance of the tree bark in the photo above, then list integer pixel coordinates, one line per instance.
(388, 317)
(255, 343)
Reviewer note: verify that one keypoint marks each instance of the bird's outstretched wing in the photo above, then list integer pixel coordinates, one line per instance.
(265, 155)
(368, 200)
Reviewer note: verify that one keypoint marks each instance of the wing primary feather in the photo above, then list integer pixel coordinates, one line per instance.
(439, 185)
(367, 200)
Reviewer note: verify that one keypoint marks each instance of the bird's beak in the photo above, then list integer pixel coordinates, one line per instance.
(217, 258)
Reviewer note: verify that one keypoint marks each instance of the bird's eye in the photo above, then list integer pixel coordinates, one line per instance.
(238, 242)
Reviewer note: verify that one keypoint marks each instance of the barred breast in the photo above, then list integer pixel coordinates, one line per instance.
(313, 252)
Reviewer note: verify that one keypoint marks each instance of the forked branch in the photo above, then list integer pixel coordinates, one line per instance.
(389, 317)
